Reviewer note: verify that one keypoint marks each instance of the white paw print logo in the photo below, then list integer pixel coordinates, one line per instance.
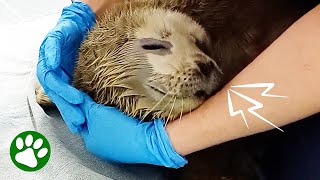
(30, 151)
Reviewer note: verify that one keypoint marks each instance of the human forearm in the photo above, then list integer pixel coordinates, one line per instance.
(292, 63)
(100, 6)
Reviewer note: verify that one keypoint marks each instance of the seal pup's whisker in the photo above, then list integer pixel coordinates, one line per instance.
(181, 110)
(162, 110)
(164, 96)
(190, 111)
(182, 65)
(175, 98)
(174, 67)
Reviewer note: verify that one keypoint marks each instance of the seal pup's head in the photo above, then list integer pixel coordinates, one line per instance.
(150, 62)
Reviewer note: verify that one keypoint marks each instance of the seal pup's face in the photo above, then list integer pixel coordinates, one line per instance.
(155, 61)
(177, 48)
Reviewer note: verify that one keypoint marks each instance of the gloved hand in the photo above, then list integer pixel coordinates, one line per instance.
(106, 131)
(111, 135)
(57, 57)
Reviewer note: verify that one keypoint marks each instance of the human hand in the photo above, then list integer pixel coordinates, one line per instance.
(57, 57)
(112, 135)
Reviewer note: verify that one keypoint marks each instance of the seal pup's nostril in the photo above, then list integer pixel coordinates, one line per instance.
(201, 94)
(205, 67)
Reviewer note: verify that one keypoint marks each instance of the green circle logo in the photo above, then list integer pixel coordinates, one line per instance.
(30, 151)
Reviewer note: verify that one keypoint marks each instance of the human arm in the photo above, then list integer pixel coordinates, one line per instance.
(292, 63)
(100, 6)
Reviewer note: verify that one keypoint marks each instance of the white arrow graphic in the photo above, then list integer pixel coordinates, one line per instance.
(257, 105)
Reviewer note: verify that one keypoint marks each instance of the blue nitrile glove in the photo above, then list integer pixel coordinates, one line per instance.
(58, 55)
(111, 135)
